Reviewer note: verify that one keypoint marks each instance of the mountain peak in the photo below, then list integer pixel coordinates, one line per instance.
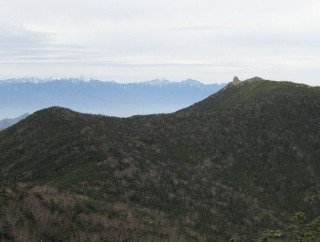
(240, 92)
(235, 82)
(192, 83)
(236, 79)
(25, 80)
(256, 78)
(157, 82)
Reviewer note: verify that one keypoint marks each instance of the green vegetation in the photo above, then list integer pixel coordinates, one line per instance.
(245, 159)
(247, 91)
(300, 228)
(299, 231)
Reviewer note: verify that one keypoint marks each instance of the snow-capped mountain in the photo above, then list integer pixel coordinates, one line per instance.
(50, 79)
(157, 82)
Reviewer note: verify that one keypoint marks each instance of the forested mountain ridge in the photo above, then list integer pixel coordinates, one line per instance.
(237, 92)
(242, 160)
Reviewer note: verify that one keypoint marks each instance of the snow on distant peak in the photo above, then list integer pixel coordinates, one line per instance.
(164, 82)
(25, 80)
(85, 78)
(154, 83)
(50, 79)
(192, 83)
(157, 82)
(72, 79)
(54, 78)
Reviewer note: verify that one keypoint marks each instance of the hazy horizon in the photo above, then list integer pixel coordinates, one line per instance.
(107, 98)
(88, 79)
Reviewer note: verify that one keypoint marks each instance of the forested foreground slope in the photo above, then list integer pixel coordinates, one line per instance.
(244, 159)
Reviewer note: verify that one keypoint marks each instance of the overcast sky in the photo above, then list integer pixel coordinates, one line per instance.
(139, 40)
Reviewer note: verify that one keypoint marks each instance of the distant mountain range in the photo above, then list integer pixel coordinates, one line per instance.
(224, 169)
(5, 123)
(27, 95)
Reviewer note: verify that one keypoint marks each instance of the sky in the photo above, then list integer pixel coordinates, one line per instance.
(138, 40)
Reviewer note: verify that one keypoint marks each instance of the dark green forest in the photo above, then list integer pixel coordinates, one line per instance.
(241, 165)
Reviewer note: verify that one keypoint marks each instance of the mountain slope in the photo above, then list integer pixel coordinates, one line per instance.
(5, 123)
(223, 168)
(241, 92)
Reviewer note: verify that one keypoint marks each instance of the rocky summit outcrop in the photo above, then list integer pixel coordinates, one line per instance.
(235, 80)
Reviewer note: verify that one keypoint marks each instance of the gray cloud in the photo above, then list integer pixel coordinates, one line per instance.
(139, 40)
(15, 35)
(19, 45)
(203, 28)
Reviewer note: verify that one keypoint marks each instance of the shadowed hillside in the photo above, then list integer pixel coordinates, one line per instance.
(242, 160)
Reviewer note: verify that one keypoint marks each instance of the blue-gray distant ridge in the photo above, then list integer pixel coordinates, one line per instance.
(5, 123)
(27, 95)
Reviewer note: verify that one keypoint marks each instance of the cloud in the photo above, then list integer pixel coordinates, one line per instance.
(17, 36)
(20, 45)
(202, 28)
(203, 39)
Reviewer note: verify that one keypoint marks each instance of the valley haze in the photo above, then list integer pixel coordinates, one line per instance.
(26, 95)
